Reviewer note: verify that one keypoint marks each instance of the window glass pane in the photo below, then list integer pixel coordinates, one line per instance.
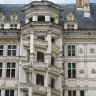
(69, 47)
(69, 65)
(40, 79)
(73, 52)
(13, 52)
(9, 52)
(81, 93)
(74, 73)
(8, 73)
(73, 47)
(8, 65)
(1, 52)
(11, 92)
(7, 93)
(12, 72)
(69, 93)
(1, 46)
(41, 18)
(69, 73)
(69, 52)
(73, 65)
(9, 47)
(13, 65)
(14, 46)
(0, 65)
(52, 83)
(74, 93)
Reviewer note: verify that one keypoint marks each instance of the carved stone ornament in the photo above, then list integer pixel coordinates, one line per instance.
(70, 17)
(92, 50)
(81, 71)
(81, 50)
(80, 3)
(93, 71)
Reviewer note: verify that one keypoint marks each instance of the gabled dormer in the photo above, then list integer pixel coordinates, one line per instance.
(71, 21)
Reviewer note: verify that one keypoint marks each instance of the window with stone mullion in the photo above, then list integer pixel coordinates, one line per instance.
(71, 70)
(9, 92)
(1, 69)
(10, 70)
(11, 50)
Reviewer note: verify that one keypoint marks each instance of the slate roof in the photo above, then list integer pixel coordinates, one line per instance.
(83, 22)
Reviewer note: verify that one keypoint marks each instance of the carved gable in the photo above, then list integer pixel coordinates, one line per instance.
(70, 17)
(14, 16)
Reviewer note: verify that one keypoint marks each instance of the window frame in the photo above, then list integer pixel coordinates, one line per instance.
(13, 26)
(71, 51)
(71, 92)
(71, 70)
(81, 93)
(43, 55)
(2, 27)
(9, 92)
(42, 79)
(2, 50)
(41, 18)
(10, 70)
(11, 50)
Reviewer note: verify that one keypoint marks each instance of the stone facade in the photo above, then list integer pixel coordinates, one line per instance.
(46, 50)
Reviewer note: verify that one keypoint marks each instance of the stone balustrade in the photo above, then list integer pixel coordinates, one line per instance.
(41, 43)
(39, 88)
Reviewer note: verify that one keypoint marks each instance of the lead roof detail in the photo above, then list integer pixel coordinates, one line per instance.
(83, 22)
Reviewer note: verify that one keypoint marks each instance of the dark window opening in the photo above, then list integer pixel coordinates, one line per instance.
(40, 56)
(41, 18)
(82, 93)
(52, 19)
(52, 61)
(52, 83)
(53, 40)
(2, 26)
(71, 93)
(72, 26)
(30, 19)
(41, 37)
(71, 50)
(40, 79)
(9, 92)
(1, 50)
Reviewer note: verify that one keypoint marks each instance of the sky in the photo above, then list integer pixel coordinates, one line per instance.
(28, 1)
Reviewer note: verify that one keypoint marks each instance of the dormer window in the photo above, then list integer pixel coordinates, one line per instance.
(13, 26)
(41, 18)
(70, 26)
(2, 26)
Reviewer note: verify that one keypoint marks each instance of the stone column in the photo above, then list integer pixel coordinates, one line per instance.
(30, 91)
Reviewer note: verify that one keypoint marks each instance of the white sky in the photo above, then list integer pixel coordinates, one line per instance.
(28, 1)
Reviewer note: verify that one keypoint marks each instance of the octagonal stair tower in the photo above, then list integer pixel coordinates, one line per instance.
(41, 51)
